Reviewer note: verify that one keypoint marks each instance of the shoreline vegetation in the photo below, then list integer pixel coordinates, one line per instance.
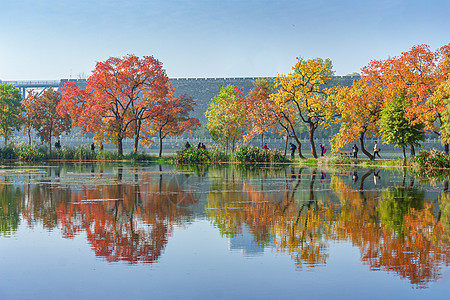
(425, 162)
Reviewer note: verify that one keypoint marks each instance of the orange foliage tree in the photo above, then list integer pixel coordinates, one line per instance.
(416, 74)
(360, 106)
(43, 115)
(120, 92)
(169, 116)
(28, 114)
(262, 112)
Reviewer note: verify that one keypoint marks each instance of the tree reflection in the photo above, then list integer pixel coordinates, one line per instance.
(396, 233)
(394, 228)
(122, 222)
(296, 226)
(10, 197)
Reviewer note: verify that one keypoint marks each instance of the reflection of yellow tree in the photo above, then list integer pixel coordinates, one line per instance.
(299, 228)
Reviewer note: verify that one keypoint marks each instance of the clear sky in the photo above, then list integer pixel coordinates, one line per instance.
(54, 39)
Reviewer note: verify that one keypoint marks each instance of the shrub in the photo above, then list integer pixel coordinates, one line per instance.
(82, 153)
(253, 154)
(431, 159)
(30, 154)
(218, 156)
(8, 152)
(191, 155)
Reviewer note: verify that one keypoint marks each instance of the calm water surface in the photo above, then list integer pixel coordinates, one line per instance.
(112, 231)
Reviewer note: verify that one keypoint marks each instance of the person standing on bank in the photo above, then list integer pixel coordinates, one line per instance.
(355, 151)
(322, 149)
(376, 150)
(292, 147)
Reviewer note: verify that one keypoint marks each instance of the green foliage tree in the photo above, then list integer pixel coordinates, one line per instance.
(396, 129)
(10, 197)
(10, 109)
(226, 120)
(396, 203)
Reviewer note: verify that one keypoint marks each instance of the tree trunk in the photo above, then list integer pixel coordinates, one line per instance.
(300, 154)
(160, 144)
(363, 149)
(446, 148)
(29, 137)
(120, 146)
(311, 139)
(136, 137)
(363, 178)
(285, 146)
(413, 150)
(226, 146)
(262, 140)
(404, 155)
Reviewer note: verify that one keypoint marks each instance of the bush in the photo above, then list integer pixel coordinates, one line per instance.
(107, 155)
(30, 154)
(191, 155)
(218, 156)
(8, 152)
(253, 154)
(137, 156)
(63, 153)
(82, 153)
(431, 159)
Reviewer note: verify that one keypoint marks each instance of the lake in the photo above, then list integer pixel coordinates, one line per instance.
(135, 231)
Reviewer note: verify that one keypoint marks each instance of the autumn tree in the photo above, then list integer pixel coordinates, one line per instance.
(169, 116)
(10, 109)
(226, 116)
(303, 90)
(47, 121)
(28, 114)
(398, 130)
(359, 106)
(442, 94)
(262, 112)
(416, 74)
(119, 93)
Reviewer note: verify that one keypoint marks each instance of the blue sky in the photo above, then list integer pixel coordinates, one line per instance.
(54, 39)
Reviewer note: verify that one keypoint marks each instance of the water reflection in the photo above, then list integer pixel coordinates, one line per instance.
(127, 213)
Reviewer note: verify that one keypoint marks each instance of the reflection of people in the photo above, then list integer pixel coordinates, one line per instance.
(376, 150)
(265, 146)
(323, 175)
(355, 177)
(376, 177)
(292, 147)
(187, 146)
(355, 151)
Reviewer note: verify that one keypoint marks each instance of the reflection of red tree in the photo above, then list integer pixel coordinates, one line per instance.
(126, 222)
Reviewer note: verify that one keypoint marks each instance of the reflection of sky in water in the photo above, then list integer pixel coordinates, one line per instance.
(198, 261)
(245, 244)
